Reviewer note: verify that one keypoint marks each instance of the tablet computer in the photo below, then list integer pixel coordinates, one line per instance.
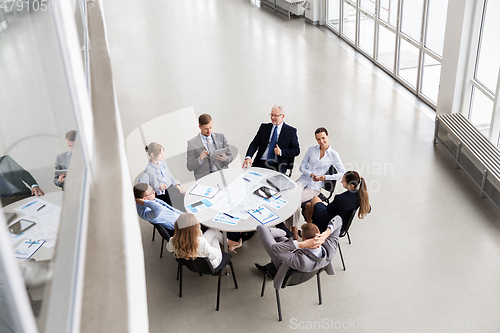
(21, 226)
(218, 152)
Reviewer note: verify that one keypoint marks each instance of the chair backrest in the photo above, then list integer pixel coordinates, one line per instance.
(347, 223)
(199, 265)
(163, 232)
(329, 185)
(294, 277)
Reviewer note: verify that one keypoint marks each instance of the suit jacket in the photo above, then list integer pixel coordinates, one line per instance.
(62, 163)
(195, 147)
(303, 259)
(15, 174)
(287, 141)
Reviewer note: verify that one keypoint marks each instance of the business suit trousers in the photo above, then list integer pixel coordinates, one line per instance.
(268, 237)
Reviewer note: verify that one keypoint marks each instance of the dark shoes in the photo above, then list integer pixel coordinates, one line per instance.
(261, 268)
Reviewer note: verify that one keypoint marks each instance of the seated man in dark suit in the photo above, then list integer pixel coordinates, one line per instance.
(13, 180)
(153, 210)
(314, 252)
(276, 144)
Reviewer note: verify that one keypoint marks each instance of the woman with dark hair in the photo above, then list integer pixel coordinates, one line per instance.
(159, 177)
(343, 204)
(315, 164)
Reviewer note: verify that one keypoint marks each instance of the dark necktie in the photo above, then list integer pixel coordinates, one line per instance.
(272, 144)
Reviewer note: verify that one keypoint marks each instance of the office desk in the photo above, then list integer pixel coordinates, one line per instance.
(55, 198)
(222, 179)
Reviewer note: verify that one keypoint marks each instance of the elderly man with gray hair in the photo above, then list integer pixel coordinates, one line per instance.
(276, 144)
(153, 210)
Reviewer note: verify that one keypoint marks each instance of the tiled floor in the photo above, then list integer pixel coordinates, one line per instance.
(427, 259)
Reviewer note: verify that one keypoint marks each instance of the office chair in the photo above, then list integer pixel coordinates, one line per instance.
(329, 185)
(345, 231)
(292, 278)
(202, 265)
(165, 235)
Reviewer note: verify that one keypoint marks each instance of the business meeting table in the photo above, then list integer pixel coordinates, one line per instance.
(55, 198)
(222, 179)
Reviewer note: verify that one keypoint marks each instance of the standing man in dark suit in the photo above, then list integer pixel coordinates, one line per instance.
(12, 182)
(276, 144)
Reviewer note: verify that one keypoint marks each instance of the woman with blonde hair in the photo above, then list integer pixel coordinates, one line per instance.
(343, 204)
(189, 242)
(159, 177)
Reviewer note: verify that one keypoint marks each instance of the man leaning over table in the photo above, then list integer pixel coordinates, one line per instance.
(153, 210)
(200, 150)
(13, 180)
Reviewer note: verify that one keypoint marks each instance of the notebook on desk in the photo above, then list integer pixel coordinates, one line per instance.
(280, 182)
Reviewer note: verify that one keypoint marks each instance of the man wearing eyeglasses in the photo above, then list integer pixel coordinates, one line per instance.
(153, 210)
(276, 144)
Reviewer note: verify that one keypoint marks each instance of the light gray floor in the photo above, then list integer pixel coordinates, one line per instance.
(425, 260)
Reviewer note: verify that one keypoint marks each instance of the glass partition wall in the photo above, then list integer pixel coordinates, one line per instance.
(43, 151)
(403, 37)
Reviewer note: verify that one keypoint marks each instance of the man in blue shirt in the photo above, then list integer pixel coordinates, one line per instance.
(154, 210)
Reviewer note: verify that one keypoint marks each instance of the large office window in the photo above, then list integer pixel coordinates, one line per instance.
(481, 106)
(404, 37)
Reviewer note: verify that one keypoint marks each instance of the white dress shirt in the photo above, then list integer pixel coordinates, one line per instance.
(313, 164)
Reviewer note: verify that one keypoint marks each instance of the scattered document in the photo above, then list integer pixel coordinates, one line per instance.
(275, 202)
(27, 248)
(46, 215)
(226, 218)
(204, 191)
(199, 206)
(263, 214)
(253, 176)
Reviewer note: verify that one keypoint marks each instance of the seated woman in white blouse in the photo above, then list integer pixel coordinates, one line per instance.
(189, 242)
(314, 167)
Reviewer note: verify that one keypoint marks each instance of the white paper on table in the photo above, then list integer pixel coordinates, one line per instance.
(275, 202)
(263, 214)
(237, 198)
(47, 223)
(253, 176)
(27, 248)
(199, 205)
(32, 206)
(204, 191)
(223, 218)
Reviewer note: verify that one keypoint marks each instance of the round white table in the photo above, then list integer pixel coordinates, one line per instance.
(222, 179)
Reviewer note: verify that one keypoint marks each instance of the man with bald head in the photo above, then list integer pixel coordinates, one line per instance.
(153, 210)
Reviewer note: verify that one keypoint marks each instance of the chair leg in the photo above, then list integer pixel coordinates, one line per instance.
(349, 238)
(154, 230)
(263, 285)
(319, 288)
(162, 243)
(178, 270)
(180, 280)
(341, 257)
(234, 276)
(279, 304)
(218, 292)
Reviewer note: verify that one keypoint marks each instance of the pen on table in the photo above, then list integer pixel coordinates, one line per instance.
(258, 211)
(248, 180)
(279, 196)
(40, 208)
(229, 215)
(31, 244)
